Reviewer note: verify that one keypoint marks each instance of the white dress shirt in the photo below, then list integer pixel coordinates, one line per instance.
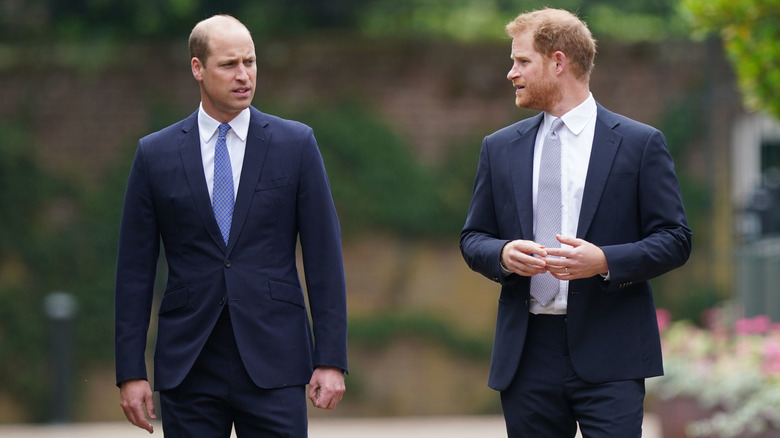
(576, 144)
(208, 128)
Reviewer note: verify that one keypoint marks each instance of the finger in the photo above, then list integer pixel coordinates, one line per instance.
(558, 268)
(526, 270)
(569, 240)
(130, 412)
(150, 411)
(141, 420)
(526, 248)
(321, 402)
(564, 273)
(135, 415)
(535, 252)
(326, 395)
(329, 398)
(555, 262)
(314, 394)
(331, 403)
(557, 253)
(520, 260)
(129, 415)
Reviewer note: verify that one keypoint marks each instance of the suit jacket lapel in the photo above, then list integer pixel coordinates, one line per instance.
(521, 162)
(257, 141)
(605, 145)
(189, 147)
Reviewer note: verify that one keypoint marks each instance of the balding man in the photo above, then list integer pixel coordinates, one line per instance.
(230, 191)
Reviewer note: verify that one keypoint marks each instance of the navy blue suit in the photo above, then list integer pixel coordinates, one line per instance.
(631, 209)
(283, 195)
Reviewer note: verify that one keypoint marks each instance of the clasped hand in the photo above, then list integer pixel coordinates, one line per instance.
(579, 259)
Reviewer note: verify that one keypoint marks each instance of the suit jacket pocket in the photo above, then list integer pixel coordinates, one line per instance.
(283, 291)
(273, 183)
(175, 298)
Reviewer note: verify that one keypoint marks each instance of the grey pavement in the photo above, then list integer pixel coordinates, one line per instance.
(403, 427)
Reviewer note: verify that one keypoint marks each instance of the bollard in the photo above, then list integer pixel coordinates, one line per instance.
(60, 308)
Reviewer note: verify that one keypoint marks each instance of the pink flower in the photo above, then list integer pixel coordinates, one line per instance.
(757, 325)
(771, 361)
(664, 319)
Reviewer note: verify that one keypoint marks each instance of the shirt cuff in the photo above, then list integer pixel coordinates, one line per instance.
(504, 270)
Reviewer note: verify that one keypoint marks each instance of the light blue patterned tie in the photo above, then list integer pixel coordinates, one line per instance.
(544, 287)
(222, 196)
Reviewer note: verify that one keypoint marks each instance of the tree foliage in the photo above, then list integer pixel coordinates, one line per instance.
(378, 184)
(55, 236)
(45, 20)
(750, 30)
(465, 20)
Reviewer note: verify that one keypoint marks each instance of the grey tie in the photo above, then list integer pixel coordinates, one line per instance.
(544, 287)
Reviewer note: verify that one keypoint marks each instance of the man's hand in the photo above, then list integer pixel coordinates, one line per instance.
(326, 387)
(134, 396)
(582, 260)
(524, 257)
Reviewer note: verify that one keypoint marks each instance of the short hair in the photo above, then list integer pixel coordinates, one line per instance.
(199, 37)
(558, 29)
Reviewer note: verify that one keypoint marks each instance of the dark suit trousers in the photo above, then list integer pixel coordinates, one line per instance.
(548, 399)
(218, 394)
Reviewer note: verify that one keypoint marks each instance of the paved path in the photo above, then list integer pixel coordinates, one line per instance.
(400, 427)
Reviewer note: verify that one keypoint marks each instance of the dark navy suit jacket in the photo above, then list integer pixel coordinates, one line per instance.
(631, 209)
(283, 194)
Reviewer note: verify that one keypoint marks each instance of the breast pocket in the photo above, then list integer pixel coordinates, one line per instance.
(273, 183)
(268, 205)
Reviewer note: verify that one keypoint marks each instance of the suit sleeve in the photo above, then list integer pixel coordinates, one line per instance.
(665, 242)
(320, 237)
(138, 252)
(480, 243)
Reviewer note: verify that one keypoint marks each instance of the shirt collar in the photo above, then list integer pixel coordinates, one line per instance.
(208, 126)
(576, 119)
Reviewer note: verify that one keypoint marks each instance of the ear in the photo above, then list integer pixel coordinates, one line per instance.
(197, 69)
(560, 62)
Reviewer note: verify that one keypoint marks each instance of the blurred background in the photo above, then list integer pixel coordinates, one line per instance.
(400, 94)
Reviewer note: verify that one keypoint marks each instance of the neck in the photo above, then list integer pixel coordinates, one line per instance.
(571, 98)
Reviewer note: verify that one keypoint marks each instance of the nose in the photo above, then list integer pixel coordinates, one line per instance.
(242, 74)
(513, 73)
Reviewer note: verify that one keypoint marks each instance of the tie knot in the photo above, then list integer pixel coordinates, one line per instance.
(224, 128)
(556, 125)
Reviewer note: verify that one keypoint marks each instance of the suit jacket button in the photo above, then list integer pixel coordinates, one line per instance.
(221, 301)
(228, 264)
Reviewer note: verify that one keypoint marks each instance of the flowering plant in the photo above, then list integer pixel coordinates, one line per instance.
(731, 369)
